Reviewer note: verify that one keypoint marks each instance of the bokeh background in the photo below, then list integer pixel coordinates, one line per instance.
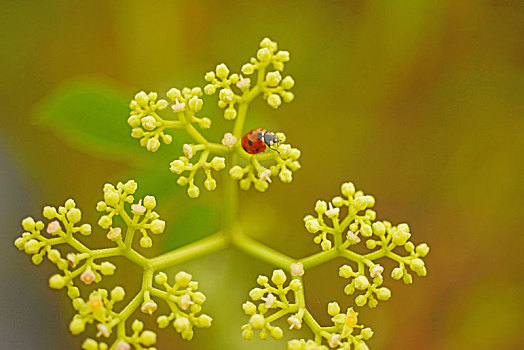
(419, 103)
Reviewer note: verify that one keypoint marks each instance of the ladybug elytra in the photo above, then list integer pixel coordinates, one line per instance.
(256, 140)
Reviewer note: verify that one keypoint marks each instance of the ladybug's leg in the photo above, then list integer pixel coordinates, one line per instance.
(274, 149)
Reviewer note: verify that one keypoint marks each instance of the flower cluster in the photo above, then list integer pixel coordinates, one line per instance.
(273, 304)
(184, 301)
(339, 336)
(381, 237)
(150, 119)
(143, 218)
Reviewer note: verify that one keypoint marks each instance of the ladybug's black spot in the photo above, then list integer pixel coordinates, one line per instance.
(244, 149)
(250, 143)
(251, 132)
(257, 149)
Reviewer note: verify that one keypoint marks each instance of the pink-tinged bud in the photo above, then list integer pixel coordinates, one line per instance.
(95, 304)
(185, 301)
(71, 259)
(294, 322)
(335, 340)
(297, 269)
(243, 83)
(229, 140)
(122, 345)
(138, 208)
(178, 107)
(87, 276)
(269, 300)
(376, 271)
(102, 330)
(266, 175)
(53, 227)
(114, 233)
(149, 307)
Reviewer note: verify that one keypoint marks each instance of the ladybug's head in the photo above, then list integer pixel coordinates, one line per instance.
(270, 139)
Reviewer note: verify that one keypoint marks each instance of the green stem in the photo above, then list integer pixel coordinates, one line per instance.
(261, 251)
(208, 245)
(319, 258)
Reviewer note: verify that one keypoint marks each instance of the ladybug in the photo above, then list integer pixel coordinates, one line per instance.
(256, 140)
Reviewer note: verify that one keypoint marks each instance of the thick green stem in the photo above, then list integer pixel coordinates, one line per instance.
(205, 246)
(261, 251)
(319, 258)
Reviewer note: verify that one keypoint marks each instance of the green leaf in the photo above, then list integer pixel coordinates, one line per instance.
(91, 115)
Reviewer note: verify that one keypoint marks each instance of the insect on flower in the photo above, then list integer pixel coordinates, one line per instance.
(256, 140)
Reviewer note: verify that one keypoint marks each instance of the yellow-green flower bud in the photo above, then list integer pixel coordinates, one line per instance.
(37, 259)
(49, 212)
(142, 99)
(245, 184)
(236, 172)
(28, 224)
(264, 55)
(177, 166)
(77, 326)
(148, 122)
(257, 321)
(137, 326)
(146, 242)
(230, 113)
(366, 333)
(409, 247)
(181, 323)
(111, 198)
(248, 69)
(137, 133)
(282, 56)
(295, 285)
(312, 226)
(361, 282)
(422, 250)
(361, 300)
(348, 189)
(167, 139)
(286, 176)
(162, 104)
(218, 163)
(152, 144)
(320, 207)
(89, 344)
(249, 308)
(105, 221)
(407, 278)
(383, 293)
(295, 345)
(107, 269)
(262, 280)
(152, 96)
(333, 308)
(288, 96)
(118, 293)
(417, 264)
(360, 203)
(276, 333)
(204, 321)
(182, 279)
(256, 293)
(247, 334)
(199, 297)
(56, 281)
(274, 101)
(400, 237)
(210, 76)
(371, 244)
(85, 229)
(325, 245)
(379, 228)
(163, 321)
(149, 202)
(366, 230)
(53, 255)
(32, 246)
(74, 215)
(226, 95)
(273, 79)
(158, 226)
(345, 271)
(222, 71)
(397, 273)
(101, 206)
(148, 338)
(195, 104)
(182, 180)
(210, 184)
(278, 277)
(193, 191)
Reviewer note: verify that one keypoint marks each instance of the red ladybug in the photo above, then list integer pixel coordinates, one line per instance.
(256, 140)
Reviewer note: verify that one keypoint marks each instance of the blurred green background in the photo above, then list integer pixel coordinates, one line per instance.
(417, 102)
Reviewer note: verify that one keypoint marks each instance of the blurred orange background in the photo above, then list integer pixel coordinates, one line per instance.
(419, 103)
